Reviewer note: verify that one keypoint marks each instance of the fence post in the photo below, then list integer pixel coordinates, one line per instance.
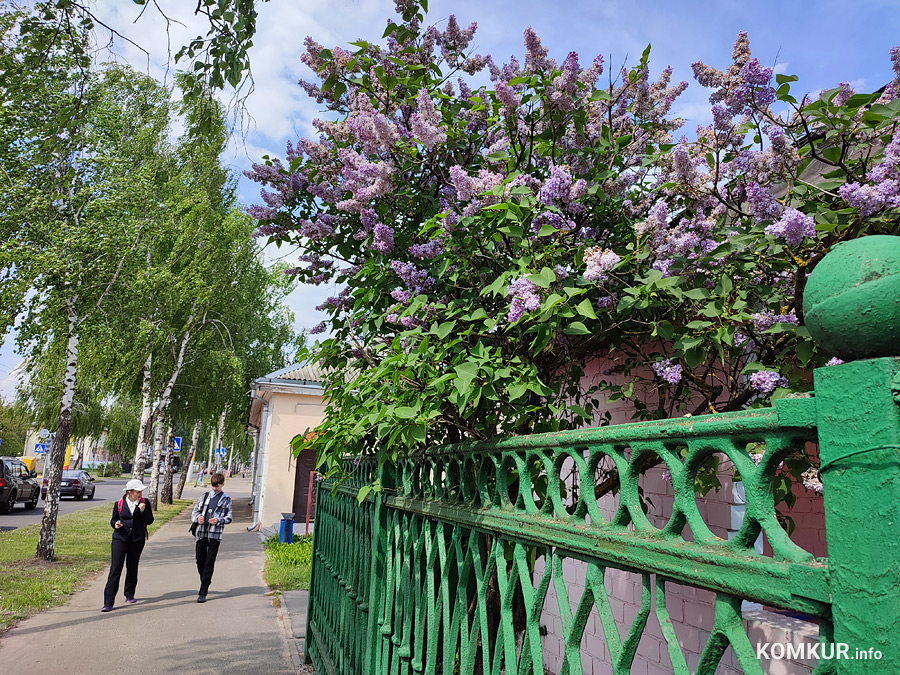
(852, 310)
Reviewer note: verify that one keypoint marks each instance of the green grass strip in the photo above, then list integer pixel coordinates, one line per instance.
(288, 565)
(29, 585)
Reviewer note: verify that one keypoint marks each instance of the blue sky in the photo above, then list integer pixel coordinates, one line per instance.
(823, 42)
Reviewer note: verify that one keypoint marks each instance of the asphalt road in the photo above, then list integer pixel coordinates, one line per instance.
(108, 491)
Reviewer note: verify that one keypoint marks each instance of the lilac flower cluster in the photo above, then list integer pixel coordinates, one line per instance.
(834, 361)
(424, 124)
(793, 227)
(668, 371)
(765, 381)
(599, 261)
(811, 480)
(763, 321)
(762, 204)
(318, 329)
(416, 280)
(525, 298)
(364, 179)
(382, 239)
(885, 190)
(556, 188)
(429, 250)
(373, 130)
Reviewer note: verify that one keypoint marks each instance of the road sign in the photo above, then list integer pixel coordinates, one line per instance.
(178, 444)
(44, 433)
(220, 451)
(40, 448)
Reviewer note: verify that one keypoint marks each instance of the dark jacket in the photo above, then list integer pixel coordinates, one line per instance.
(134, 527)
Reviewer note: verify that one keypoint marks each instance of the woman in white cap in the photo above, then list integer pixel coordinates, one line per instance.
(130, 518)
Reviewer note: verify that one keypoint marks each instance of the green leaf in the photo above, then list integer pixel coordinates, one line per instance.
(804, 352)
(697, 294)
(586, 309)
(543, 278)
(444, 329)
(576, 328)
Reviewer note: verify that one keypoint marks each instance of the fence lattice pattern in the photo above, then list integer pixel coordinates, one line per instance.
(440, 573)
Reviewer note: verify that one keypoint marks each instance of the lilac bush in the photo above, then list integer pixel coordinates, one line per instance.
(492, 240)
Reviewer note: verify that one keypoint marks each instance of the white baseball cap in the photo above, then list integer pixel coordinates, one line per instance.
(134, 484)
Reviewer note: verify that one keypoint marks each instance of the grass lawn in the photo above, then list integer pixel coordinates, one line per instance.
(288, 565)
(29, 586)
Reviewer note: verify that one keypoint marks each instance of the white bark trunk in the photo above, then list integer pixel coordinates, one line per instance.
(220, 434)
(189, 459)
(140, 455)
(158, 443)
(53, 473)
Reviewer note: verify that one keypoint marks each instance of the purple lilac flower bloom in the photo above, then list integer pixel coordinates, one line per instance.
(765, 381)
(763, 321)
(415, 279)
(507, 96)
(811, 480)
(834, 361)
(463, 182)
(762, 204)
(383, 239)
(663, 266)
(721, 117)
(866, 198)
(793, 227)
(753, 72)
(318, 328)
(556, 187)
(525, 299)
(668, 371)
(432, 249)
(599, 261)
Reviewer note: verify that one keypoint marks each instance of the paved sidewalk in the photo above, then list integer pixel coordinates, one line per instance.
(239, 630)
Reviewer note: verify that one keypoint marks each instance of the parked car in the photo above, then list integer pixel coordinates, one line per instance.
(17, 484)
(78, 484)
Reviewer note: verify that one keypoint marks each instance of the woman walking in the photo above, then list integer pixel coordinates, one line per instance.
(130, 518)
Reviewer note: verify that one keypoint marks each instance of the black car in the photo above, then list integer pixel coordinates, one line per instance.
(17, 484)
(77, 483)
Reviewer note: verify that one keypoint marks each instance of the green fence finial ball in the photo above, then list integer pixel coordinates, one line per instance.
(852, 299)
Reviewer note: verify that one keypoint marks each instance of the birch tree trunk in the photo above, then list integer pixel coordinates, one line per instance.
(189, 458)
(45, 547)
(220, 434)
(166, 497)
(140, 455)
(158, 441)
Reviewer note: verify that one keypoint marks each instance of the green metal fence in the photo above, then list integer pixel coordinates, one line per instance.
(439, 573)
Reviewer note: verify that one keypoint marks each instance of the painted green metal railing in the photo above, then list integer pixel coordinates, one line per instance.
(439, 573)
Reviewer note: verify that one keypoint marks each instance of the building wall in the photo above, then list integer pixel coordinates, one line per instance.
(289, 415)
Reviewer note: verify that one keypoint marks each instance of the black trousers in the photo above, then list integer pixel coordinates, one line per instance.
(207, 550)
(127, 554)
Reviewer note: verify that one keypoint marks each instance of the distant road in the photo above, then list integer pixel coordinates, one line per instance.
(108, 491)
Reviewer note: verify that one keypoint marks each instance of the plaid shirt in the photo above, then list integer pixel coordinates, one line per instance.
(222, 512)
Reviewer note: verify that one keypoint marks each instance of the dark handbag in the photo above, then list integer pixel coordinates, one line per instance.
(193, 527)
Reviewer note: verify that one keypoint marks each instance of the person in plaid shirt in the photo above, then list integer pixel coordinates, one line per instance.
(212, 513)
